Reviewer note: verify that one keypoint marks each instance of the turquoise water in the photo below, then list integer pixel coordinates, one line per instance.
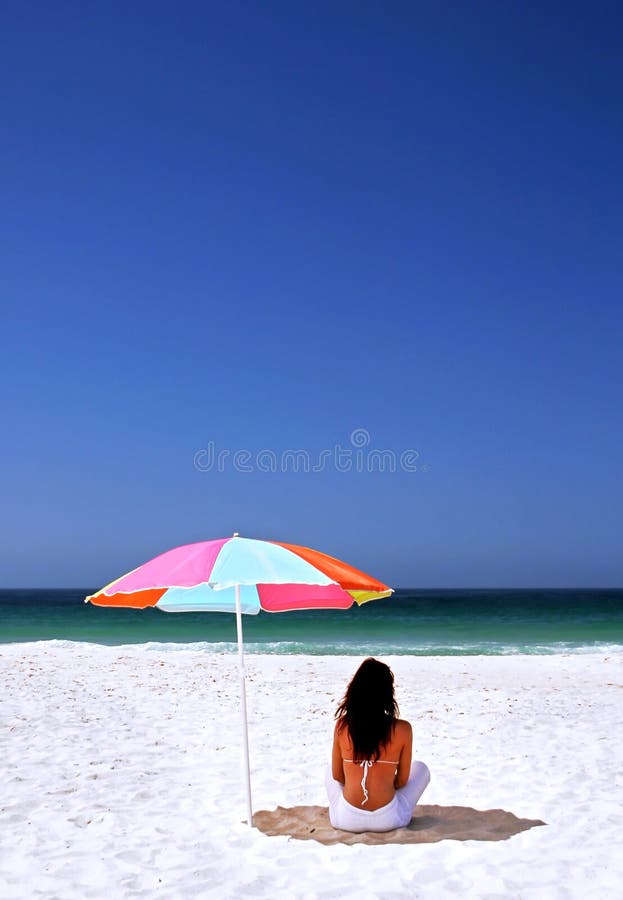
(416, 622)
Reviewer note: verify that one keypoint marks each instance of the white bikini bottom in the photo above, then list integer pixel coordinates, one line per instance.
(395, 814)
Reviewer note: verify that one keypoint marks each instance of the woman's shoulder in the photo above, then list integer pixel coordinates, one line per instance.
(402, 728)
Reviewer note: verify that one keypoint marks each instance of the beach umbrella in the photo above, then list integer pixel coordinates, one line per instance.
(241, 575)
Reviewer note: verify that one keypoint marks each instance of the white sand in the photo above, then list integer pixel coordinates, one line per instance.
(121, 775)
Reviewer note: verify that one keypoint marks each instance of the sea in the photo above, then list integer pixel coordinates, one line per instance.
(412, 622)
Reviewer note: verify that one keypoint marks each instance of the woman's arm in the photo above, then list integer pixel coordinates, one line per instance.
(337, 765)
(404, 760)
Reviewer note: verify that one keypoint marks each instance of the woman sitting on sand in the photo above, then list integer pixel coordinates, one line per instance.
(371, 783)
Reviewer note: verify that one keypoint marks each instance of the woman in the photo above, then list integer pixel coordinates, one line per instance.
(372, 784)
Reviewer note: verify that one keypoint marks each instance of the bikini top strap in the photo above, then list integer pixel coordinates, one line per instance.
(365, 765)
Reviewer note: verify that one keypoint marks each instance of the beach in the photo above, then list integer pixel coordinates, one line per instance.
(121, 773)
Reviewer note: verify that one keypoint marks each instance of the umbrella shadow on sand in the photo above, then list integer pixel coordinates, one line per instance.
(428, 825)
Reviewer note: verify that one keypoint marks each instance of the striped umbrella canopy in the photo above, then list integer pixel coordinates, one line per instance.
(241, 575)
(270, 575)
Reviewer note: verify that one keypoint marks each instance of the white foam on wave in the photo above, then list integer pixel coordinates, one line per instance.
(343, 648)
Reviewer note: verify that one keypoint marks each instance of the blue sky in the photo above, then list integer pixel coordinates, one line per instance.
(262, 226)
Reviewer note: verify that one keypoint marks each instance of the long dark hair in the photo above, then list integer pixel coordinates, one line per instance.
(369, 709)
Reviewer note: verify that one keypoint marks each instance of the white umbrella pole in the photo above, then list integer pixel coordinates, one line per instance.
(246, 774)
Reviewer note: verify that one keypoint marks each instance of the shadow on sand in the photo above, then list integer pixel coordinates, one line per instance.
(428, 825)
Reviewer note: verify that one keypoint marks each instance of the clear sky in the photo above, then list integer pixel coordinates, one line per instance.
(266, 226)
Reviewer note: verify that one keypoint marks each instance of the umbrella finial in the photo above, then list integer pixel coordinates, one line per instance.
(235, 534)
